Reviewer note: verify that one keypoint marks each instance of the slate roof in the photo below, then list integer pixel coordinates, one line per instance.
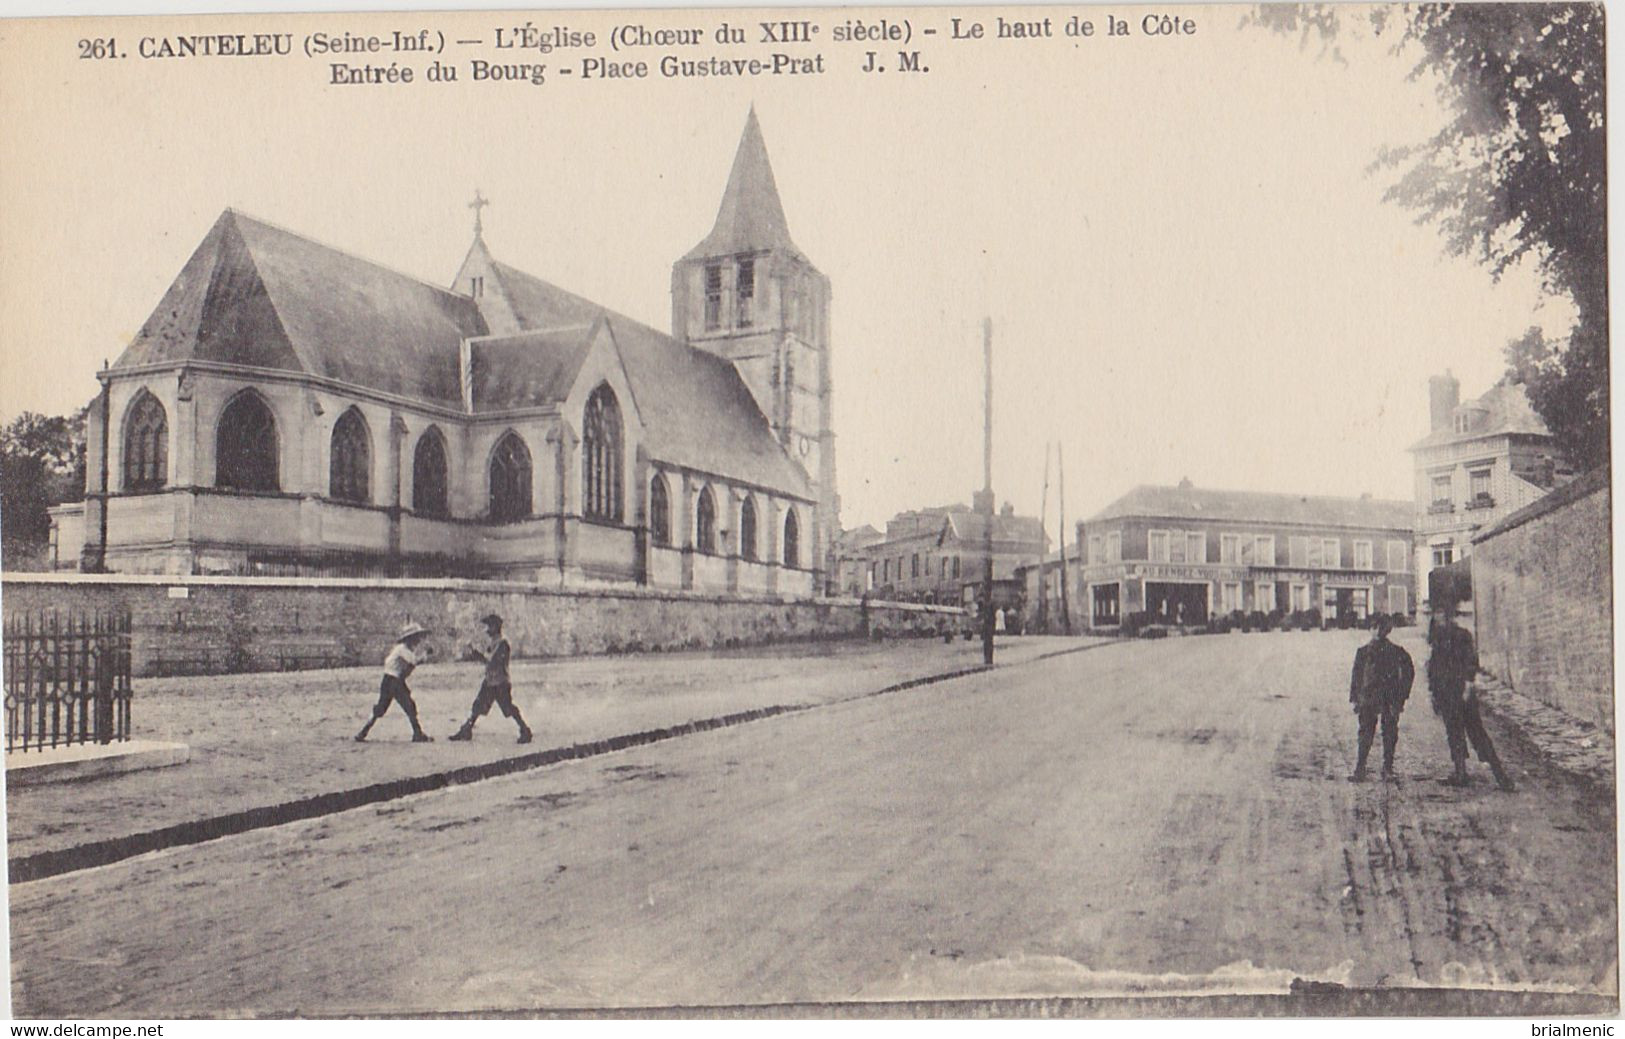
(257, 295)
(1200, 503)
(254, 294)
(527, 369)
(1506, 410)
(971, 526)
(751, 217)
(697, 410)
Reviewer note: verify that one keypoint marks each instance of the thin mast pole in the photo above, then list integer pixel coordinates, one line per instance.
(1066, 609)
(987, 491)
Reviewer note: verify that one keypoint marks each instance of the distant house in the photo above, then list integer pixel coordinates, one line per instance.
(929, 555)
(1182, 553)
(1481, 461)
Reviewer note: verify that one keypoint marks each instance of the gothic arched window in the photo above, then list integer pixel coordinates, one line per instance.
(792, 541)
(245, 445)
(510, 479)
(747, 529)
(146, 445)
(349, 471)
(601, 456)
(705, 522)
(429, 475)
(659, 511)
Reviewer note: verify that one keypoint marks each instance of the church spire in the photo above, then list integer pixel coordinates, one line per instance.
(751, 217)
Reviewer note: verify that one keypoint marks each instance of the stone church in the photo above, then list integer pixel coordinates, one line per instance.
(291, 409)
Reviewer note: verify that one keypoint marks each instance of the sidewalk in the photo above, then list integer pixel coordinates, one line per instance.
(263, 740)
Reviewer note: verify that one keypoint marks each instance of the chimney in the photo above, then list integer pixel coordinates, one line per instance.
(1444, 393)
(1007, 510)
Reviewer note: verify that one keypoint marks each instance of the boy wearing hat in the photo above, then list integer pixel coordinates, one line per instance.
(402, 658)
(1452, 668)
(496, 688)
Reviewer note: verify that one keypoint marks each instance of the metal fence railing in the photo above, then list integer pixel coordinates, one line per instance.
(67, 679)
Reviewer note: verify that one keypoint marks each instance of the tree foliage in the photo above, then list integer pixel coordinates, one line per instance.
(1518, 173)
(42, 463)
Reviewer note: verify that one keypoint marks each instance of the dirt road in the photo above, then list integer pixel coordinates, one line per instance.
(1162, 816)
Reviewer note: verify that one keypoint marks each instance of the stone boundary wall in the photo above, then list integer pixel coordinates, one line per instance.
(207, 625)
(1543, 601)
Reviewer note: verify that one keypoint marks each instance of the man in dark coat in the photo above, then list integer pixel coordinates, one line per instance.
(1378, 689)
(1452, 667)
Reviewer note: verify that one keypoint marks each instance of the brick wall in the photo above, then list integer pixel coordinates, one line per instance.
(1542, 591)
(211, 624)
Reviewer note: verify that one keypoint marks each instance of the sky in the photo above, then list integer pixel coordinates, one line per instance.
(1188, 264)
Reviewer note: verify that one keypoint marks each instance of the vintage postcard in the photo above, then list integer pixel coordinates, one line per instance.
(865, 512)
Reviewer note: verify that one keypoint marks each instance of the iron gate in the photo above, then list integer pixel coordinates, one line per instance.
(67, 679)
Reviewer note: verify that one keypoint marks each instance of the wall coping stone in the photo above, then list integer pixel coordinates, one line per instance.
(433, 584)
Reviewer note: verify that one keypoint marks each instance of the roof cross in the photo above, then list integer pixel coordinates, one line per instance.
(479, 203)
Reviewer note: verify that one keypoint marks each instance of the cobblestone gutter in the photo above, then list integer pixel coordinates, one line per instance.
(1567, 743)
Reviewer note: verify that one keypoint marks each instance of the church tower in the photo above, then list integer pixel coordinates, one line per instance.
(748, 294)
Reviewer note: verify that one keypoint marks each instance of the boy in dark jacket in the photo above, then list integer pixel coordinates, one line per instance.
(496, 688)
(1378, 689)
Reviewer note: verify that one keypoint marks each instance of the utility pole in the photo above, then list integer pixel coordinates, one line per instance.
(1066, 610)
(987, 492)
(1043, 537)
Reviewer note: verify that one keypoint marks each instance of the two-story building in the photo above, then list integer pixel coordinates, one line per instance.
(1481, 461)
(1181, 553)
(928, 555)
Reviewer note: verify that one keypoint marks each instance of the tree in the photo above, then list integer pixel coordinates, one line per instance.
(42, 463)
(1518, 173)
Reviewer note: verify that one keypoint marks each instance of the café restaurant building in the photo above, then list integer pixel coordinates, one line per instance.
(1182, 553)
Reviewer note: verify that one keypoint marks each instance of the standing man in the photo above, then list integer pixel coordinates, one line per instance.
(1378, 689)
(496, 688)
(1452, 666)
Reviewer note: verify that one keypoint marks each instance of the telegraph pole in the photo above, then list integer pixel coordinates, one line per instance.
(1043, 536)
(1066, 610)
(987, 491)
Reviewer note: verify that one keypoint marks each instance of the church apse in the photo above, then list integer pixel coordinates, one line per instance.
(292, 410)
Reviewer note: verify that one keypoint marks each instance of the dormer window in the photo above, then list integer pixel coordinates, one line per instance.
(713, 296)
(745, 291)
(1461, 423)
(476, 287)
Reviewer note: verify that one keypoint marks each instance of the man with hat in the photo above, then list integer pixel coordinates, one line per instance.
(400, 661)
(1378, 689)
(496, 688)
(1452, 667)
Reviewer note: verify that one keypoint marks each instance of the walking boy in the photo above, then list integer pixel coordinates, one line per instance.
(402, 658)
(496, 687)
(1378, 689)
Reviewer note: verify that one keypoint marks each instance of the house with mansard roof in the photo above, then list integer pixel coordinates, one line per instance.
(1481, 461)
(291, 409)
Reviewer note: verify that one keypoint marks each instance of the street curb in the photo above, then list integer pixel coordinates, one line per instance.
(45, 864)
